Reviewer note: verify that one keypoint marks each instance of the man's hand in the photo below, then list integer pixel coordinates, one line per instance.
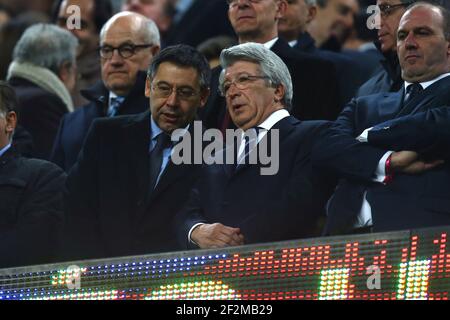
(409, 162)
(209, 236)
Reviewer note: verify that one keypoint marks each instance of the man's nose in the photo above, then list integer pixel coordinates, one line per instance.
(410, 41)
(116, 59)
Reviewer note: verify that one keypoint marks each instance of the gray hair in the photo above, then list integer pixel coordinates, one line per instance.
(147, 29)
(271, 65)
(47, 46)
(311, 2)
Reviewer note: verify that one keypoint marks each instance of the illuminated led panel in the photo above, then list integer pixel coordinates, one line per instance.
(334, 284)
(195, 291)
(413, 280)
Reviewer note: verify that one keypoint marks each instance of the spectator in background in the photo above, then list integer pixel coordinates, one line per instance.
(5, 15)
(43, 73)
(388, 78)
(128, 43)
(212, 48)
(333, 23)
(359, 46)
(160, 11)
(94, 15)
(311, 76)
(293, 28)
(11, 32)
(31, 206)
(198, 20)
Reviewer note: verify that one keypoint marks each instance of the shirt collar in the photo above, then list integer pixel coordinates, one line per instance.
(3, 151)
(273, 119)
(426, 84)
(293, 43)
(156, 131)
(269, 44)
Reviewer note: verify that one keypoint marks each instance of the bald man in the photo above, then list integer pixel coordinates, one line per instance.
(128, 43)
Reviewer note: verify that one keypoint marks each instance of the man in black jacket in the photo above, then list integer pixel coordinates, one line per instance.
(129, 42)
(314, 79)
(125, 189)
(31, 214)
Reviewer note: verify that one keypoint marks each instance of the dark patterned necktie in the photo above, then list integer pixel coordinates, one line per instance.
(163, 141)
(412, 91)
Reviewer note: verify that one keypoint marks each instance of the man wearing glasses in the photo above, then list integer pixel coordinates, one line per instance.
(234, 204)
(128, 43)
(125, 189)
(388, 79)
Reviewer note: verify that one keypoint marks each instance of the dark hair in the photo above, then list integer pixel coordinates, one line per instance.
(212, 47)
(8, 98)
(184, 56)
(103, 11)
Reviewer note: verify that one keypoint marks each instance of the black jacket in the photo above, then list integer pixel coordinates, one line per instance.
(283, 206)
(388, 78)
(39, 113)
(31, 210)
(109, 209)
(74, 126)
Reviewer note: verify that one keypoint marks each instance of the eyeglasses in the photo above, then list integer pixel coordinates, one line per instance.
(388, 9)
(164, 90)
(234, 3)
(125, 50)
(241, 82)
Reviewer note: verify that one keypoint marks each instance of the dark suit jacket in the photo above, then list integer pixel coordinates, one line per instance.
(409, 201)
(387, 78)
(74, 126)
(283, 206)
(39, 113)
(314, 84)
(203, 20)
(31, 210)
(350, 75)
(109, 209)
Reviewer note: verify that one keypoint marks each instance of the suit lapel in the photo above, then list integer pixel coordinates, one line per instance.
(427, 98)
(138, 142)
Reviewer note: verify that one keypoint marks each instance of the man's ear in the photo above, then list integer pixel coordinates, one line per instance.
(155, 50)
(312, 11)
(147, 87)
(280, 92)
(204, 95)
(281, 8)
(11, 122)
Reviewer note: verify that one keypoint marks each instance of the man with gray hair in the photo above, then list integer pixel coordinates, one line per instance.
(31, 210)
(128, 43)
(235, 204)
(43, 73)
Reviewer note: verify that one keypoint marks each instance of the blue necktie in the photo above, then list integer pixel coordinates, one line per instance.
(114, 106)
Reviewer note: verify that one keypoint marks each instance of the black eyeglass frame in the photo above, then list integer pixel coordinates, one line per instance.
(388, 9)
(133, 47)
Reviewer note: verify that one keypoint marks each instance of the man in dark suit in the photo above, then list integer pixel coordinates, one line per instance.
(235, 203)
(392, 173)
(125, 189)
(292, 28)
(197, 21)
(43, 73)
(314, 79)
(121, 90)
(31, 206)
(388, 77)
